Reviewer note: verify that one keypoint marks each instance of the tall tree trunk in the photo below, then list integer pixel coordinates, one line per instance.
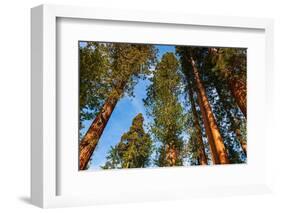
(91, 138)
(239, 92)
(214, 153)
(202, 154)
(217, 138)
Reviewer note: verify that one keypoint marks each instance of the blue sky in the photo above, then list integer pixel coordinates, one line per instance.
(121, 119)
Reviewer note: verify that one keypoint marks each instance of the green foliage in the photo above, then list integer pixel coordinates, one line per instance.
(110, 69)
(129, 62)
(94, 87)
(220, 65)
(191, 149)
(164, 107)
(134, 149)
(230, 120)
(113, 69)
(216, 67)
(113, 159)
(228, 62)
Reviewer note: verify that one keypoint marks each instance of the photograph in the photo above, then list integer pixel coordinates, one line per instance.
(158, 105)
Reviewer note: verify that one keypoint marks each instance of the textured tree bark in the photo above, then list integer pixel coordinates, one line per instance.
(171, 155)
(214, 153)
(217, 138)
(239, 92)
(202, 154)
(90, 140)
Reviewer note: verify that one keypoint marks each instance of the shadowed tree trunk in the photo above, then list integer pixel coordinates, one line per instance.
(235, 126)
(240, 139)
(239, 92)
(209, 118)
(202, 155)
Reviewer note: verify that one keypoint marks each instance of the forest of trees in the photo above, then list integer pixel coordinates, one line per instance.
(195, 104)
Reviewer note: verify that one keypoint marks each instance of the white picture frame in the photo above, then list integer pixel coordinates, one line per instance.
(44, 154)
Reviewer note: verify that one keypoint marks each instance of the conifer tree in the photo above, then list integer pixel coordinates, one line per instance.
(133, 150)
(167, 113)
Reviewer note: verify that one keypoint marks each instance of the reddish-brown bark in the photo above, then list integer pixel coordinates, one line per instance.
(239, 92)
(210, 121)
(171, 156)
(90, 140)
(214, 154)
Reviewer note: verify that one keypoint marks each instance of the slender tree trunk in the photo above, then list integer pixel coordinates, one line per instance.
(217, 138)
(239, 92)
(91, 138)
(202, 154)
(214, 153)
(241, 140)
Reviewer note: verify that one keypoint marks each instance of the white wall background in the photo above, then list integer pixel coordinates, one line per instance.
(15, 104)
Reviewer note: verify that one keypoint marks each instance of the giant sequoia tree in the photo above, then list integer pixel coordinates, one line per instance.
(127, 62)
(166, 111)
(134, 149)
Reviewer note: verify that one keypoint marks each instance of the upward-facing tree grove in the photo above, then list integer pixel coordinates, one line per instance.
(193, 99)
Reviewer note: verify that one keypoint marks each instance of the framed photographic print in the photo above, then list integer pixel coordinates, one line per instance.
(130, 106)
